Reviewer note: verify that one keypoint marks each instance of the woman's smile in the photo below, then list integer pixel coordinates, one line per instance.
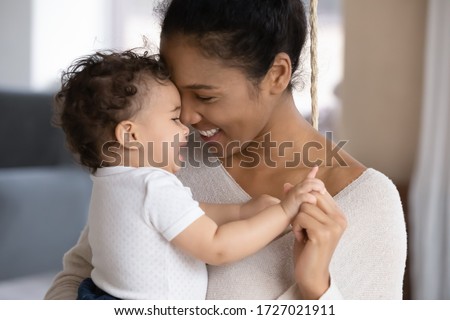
(209, 135)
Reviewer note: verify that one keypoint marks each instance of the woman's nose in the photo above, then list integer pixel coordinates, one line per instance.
(189, 115)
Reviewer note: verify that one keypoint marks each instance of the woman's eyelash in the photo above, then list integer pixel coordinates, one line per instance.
(205, 99)
(176, 119)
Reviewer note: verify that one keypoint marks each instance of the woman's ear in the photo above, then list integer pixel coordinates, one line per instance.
(279, 74)
(125, 133)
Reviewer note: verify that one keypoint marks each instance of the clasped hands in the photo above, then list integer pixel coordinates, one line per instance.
(318, 224)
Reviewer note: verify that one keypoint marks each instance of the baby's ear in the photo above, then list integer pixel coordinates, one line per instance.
(126, 135)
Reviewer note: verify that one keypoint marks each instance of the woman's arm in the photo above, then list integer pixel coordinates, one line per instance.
(76, 267)
(369, 262)
(318, 229)
(332, 293)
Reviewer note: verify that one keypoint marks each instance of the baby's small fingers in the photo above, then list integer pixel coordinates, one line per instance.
(306, 198)
(311, 185)
(287, 186)
(312, 173)
(318, 185)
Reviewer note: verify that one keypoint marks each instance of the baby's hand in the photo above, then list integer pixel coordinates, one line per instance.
(256, 205)
(301, 193)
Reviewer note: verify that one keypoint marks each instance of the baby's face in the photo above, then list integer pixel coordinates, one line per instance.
(158, 128)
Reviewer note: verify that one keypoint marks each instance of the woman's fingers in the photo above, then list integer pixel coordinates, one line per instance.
(305, 226)
(315, 212)
(327, 204)
(318, 228)
(310, 223)
(317, 224)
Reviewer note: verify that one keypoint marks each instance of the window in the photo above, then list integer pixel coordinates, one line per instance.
(62, 31)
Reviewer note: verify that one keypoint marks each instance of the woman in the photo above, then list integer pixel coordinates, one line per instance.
(233, 63)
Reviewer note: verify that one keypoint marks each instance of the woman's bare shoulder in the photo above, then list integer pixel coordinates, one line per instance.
(338, 178)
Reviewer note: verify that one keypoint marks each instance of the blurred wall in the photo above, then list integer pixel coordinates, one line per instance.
(382, 87)
(39, 38)
(15, 40)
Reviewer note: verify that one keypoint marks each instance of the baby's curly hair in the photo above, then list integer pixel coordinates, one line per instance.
(98, 92)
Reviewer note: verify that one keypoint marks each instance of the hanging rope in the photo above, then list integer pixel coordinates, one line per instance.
(314, 70)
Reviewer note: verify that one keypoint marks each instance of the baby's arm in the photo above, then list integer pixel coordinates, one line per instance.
(221, 213)
(217, 245)
(224, 213)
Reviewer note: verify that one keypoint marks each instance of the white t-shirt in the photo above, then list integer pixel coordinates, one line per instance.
(134, 214)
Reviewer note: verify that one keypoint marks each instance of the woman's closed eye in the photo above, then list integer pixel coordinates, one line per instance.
(205, 98)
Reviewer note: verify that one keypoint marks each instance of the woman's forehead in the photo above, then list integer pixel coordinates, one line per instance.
(191, 69)
(178, 52)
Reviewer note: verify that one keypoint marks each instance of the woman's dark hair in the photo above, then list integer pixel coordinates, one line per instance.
(98, 92)
(247, 34)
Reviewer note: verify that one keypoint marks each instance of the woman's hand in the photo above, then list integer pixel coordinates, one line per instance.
(318, 229)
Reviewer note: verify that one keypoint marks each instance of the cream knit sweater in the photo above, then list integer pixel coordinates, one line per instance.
(369, 261)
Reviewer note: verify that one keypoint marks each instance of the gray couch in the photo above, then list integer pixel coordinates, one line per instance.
(44, 195)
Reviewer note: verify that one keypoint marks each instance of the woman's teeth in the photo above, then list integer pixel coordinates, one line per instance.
(209, 133)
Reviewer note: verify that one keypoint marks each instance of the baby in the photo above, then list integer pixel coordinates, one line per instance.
(149, 238)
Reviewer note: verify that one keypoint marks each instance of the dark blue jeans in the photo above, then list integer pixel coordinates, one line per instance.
(89, 291)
